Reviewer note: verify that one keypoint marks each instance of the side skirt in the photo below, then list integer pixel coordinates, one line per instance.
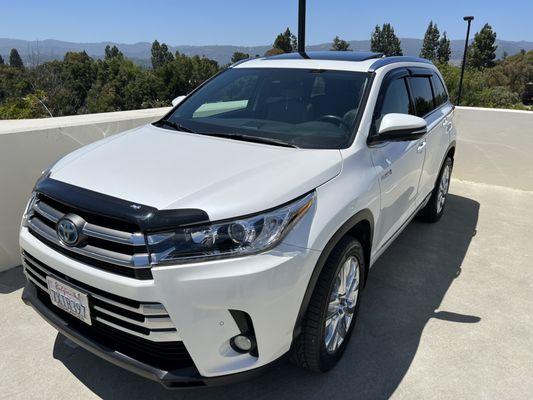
(380, 251)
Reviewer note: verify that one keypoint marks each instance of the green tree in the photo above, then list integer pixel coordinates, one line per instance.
(286, 42)
(430, 45)
(384, 40)
(273, 52)
(483, 50)
(160, 55)
(444, 50)
(112, 52)
(1, 60)
(339, 44)
(14, 59)
(238, 56)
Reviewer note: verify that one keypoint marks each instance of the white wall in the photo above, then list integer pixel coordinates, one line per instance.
(29, 146)
(494, 147)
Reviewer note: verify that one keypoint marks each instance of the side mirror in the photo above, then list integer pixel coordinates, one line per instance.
(400, 127)
(177, 100)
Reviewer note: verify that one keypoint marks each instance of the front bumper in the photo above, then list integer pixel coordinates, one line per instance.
(179, 378)
(269, 287)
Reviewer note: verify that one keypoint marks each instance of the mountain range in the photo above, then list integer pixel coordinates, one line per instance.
(46, 50)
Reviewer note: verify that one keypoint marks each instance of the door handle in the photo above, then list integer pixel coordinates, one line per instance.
(421, 146)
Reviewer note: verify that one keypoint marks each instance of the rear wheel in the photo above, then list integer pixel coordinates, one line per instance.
(434, 209)
(332, 311)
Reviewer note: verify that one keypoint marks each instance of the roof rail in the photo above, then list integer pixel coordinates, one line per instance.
(240, 62)
(328, 55)
(396, 59)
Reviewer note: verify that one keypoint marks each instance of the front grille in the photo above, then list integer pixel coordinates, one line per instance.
(111, 244)
(139, 330)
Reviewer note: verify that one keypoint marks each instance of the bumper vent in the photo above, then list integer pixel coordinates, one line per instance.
(149, 321)
(142, 331)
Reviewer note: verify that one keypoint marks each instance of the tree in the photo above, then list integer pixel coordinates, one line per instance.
(384, 40)
(339, 44)
(1, 60)
(483, 50)
(14, 59)
(160, 55)
(273, 52)
(238, 56)
(430, 45)
(112, 52)
(286, 42)
(444, 50)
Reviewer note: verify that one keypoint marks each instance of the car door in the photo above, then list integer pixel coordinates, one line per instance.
(398, 164)
(431, 103)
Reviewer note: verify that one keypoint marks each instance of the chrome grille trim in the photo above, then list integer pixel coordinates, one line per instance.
(149, 322)
(47, 211)
(103, 244)
(100, 232)
(156, 320)
(124, 260)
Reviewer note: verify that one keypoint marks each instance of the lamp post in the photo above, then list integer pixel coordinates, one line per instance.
(468, 19)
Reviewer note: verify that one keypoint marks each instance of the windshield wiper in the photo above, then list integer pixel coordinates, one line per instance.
(176, 126)
(249, 138)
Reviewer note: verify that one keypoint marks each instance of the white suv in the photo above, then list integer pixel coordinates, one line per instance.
(241, 227)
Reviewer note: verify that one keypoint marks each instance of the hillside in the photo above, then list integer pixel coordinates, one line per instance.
(49, 49)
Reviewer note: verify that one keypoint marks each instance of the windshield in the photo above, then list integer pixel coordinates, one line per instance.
(300, 107)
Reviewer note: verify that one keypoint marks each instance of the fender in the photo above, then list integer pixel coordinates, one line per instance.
(361, 216)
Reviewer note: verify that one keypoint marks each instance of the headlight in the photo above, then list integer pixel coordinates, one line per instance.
(234, 238)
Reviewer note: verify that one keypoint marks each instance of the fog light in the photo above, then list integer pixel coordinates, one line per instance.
(242, 343)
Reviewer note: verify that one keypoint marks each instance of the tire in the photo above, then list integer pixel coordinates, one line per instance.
(310, 350)
(434, 209)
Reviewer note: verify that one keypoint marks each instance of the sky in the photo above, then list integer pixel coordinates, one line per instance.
(252, 22)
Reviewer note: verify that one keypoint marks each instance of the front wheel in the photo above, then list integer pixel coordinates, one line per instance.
(332, 311)
(434, 209)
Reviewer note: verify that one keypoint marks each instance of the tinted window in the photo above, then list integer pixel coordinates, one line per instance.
(395, 100)
(307, 108)
(422, 95)
(441, 96)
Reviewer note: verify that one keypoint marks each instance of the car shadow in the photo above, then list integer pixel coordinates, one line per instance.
(404, 291)
(12, 280)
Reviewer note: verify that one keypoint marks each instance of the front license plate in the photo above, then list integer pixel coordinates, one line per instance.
(69, 299)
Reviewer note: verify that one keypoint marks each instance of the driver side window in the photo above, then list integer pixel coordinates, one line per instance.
(395, 100)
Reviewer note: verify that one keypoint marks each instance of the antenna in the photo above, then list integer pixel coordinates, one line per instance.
(301, 27)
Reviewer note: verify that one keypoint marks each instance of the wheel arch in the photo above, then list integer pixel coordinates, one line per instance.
(359, 226)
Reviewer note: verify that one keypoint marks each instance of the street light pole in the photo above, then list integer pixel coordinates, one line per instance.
(469, 20)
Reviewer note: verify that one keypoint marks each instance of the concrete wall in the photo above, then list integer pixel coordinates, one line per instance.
(29, 146)
(494, 147)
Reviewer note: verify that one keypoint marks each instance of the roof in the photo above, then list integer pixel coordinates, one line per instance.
(361, 61)
(328, 55)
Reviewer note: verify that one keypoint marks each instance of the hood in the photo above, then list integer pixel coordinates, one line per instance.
(167, 169)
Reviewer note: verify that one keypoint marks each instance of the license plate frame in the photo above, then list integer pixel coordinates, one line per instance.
(69, 298)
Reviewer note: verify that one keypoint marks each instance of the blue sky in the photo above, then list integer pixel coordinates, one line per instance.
(251, 22)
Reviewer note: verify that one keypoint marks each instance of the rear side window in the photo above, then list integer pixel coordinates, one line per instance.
(422, 95)
(441, 96)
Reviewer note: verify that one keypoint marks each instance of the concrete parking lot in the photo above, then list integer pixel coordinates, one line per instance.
(447, 313)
